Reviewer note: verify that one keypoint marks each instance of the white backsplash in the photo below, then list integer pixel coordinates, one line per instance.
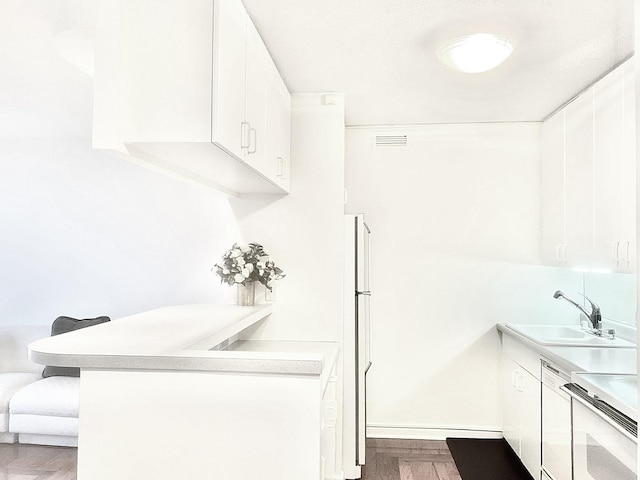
(615, 294)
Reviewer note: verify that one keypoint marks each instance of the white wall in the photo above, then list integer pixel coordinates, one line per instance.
(455, 246)
(86, 234)
(304, 231)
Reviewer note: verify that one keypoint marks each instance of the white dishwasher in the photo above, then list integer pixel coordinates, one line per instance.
(604, 426)
(556, 424)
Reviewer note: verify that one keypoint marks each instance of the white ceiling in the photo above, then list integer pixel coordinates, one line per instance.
(382, 54)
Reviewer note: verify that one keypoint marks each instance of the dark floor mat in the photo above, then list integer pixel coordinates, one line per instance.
(486, 459)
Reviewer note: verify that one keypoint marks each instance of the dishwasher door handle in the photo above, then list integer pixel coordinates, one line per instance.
(591, 403)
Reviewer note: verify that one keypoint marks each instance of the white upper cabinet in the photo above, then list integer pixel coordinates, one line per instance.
(278, 132)
(588, 178)
(609, 171)
(229, 128)
(256, 104)
(567, 185)
(181, 87)
(554, 242)
(578, 180)
(628, 257)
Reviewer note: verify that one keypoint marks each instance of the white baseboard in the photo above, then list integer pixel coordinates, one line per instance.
(56, 440)
(426, 433)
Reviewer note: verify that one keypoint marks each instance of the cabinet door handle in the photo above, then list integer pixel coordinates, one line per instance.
(331, 414)
(561, 252)
(280, 167)
(252, 133)
(244, 134)
(615, 251)
(627, 247)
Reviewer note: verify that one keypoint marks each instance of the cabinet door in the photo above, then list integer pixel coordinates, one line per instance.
(284, 121)
(579, 179)
(521, 414)
(609, 171)
(256, 97)
(163, 78)
(510, 404)
(628, 181)
(530, 420)
(553, 194)
(229, 129)
(328, 432)
(273, 126)
(278, 128)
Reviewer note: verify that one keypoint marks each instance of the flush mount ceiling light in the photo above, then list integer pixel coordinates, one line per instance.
(476, 53)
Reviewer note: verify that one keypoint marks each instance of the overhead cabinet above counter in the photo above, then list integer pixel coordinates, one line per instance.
(588, 178)
(189, 89)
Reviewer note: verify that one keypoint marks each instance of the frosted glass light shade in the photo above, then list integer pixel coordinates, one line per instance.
(476, 53)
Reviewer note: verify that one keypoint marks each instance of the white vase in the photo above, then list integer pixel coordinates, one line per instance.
(246, 295)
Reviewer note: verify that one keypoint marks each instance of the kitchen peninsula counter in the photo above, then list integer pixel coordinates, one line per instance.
(183, 337)
(172, 393)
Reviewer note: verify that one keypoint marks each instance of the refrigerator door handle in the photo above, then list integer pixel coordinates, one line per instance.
(364, 292)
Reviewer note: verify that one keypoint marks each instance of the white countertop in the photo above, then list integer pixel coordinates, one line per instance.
(322, 354)
(619, 391)
(594, 360)
(180, 338)
(582, 359)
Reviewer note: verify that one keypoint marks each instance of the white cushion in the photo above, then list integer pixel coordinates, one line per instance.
(43, 425)
(10, 383)
(53, 396)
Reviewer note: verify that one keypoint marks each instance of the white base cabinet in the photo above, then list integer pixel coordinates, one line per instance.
(189, 88)
(521, 404)
(163, 425)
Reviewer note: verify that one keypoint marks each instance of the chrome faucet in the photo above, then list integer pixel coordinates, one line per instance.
(595, 317)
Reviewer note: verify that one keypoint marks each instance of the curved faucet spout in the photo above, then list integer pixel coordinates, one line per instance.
(595, 317)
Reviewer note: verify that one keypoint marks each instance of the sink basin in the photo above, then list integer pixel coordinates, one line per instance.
(571, 335)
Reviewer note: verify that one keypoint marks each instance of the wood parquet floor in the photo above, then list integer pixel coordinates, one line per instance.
(387, 459)
(37, 462)
(398, 459)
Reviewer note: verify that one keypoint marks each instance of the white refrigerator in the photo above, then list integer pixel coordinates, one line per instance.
(357, 357)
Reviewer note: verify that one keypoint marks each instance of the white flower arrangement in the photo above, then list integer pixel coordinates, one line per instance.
(247, 263)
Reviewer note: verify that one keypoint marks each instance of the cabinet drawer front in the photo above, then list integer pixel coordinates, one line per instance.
(522, 355)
